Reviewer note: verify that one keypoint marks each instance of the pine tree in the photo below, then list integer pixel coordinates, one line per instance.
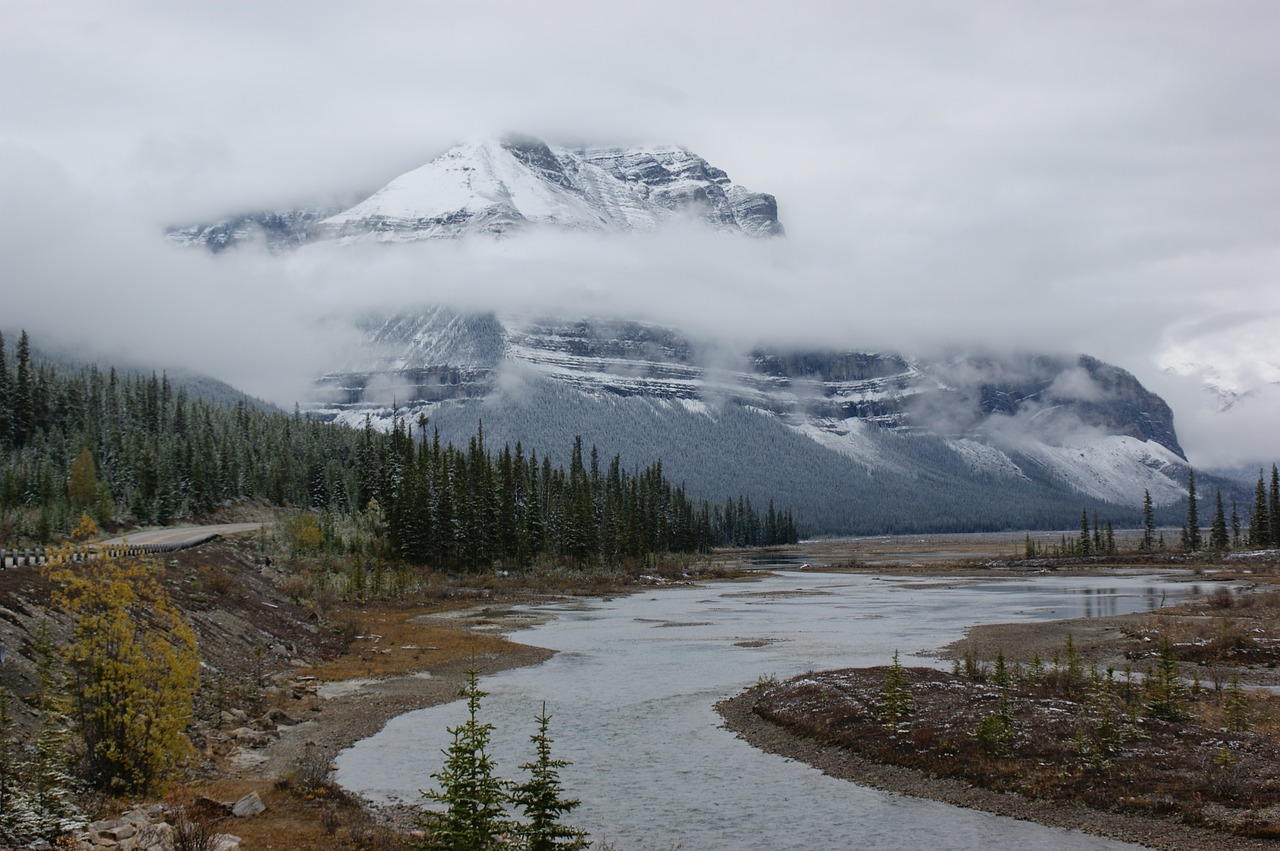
(1148, 524)
(22, 424)
(5, 393)
(1193, 540)
(1084, 532)
(1218, 535)
(1235, 706)
(1164, 685)
(541, 798)
(1260, 520)
(895, 698)
(1274, 511)
(473, 795)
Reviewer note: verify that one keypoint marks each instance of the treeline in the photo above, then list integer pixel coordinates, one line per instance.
(473, 507)
(1223, 534)
(133, 448)
(1225, 531)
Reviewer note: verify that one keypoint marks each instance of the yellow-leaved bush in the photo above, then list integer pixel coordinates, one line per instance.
(133, 671)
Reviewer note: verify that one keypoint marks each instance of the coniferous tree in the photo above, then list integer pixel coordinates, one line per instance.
(542, 800)
(1084, 532)
(1193, 539)
(22, 423)
(1260, 519)
(1218, 535)
(470, 790)
(5, 392)
(1275, 507)
(1235, 524)
(1148, 543)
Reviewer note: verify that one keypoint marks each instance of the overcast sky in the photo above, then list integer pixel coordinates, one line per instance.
(1087, 176)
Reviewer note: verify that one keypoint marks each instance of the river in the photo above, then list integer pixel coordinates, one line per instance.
(631, 694)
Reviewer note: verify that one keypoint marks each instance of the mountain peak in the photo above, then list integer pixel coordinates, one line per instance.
(497, 186)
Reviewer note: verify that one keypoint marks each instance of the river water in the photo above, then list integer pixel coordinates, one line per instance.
(632, 688)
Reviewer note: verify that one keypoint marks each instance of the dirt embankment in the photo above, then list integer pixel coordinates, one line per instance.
(286, 684)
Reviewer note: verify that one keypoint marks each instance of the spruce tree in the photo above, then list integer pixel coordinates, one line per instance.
(1218, 536)
(22, 423)
(473, 795)
(542, 801)
(1148, 524)
(1274, 512)
(5, 393)
(1193, 540)
(1260, 519)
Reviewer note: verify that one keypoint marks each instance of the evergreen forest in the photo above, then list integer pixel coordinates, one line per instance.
(130, 448)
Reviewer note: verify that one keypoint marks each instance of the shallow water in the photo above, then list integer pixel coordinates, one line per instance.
(631, 694)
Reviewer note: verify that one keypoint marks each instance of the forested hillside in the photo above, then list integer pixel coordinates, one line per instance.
(133, 449)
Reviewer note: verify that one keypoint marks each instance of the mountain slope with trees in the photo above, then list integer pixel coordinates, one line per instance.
(132, 449)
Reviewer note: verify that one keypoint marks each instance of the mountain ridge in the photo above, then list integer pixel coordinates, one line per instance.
(495, 187)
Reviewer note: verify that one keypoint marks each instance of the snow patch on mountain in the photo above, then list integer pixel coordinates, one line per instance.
(1112, 467)
(982, 458)
(852, 438)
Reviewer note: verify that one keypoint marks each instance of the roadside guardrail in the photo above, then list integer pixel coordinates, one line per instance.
(12, 557)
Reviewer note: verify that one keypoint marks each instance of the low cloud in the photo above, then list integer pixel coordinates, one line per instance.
(983, 176)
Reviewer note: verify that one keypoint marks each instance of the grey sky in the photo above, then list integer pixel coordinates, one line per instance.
(1083, 176)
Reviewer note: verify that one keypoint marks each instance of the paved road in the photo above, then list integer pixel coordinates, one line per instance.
(183, 535)
(164, 539)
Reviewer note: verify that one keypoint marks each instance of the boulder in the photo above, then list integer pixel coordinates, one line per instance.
(278, 717)
(249, 805)
(207, 808)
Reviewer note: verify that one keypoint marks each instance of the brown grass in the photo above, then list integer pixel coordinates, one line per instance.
(393, 641)
(1058, 751)
(296, 818)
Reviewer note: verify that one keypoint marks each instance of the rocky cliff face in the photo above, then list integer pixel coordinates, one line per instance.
(496, 187)
(1084, 424)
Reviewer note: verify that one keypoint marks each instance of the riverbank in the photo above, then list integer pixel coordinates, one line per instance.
(836, 761)
(1059, 734)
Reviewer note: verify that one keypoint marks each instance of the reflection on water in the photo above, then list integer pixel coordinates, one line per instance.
(1090, 602)
(631, 694)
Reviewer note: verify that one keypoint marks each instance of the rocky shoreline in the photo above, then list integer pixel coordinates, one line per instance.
(360, 708)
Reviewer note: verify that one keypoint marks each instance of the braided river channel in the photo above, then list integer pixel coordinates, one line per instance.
(632, 688)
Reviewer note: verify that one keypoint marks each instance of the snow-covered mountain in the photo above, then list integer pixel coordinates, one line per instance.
(852, 440)
(498, 186)
(858, 441)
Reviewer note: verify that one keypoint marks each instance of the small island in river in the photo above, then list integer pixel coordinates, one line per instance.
(1157, 728)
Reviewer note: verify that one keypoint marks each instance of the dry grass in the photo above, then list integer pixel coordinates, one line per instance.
(296, 818)
(391, 641)
(1060, 748)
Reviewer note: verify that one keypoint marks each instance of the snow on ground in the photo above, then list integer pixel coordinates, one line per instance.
(851, 438)
(1113, 467)
(981, 458)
